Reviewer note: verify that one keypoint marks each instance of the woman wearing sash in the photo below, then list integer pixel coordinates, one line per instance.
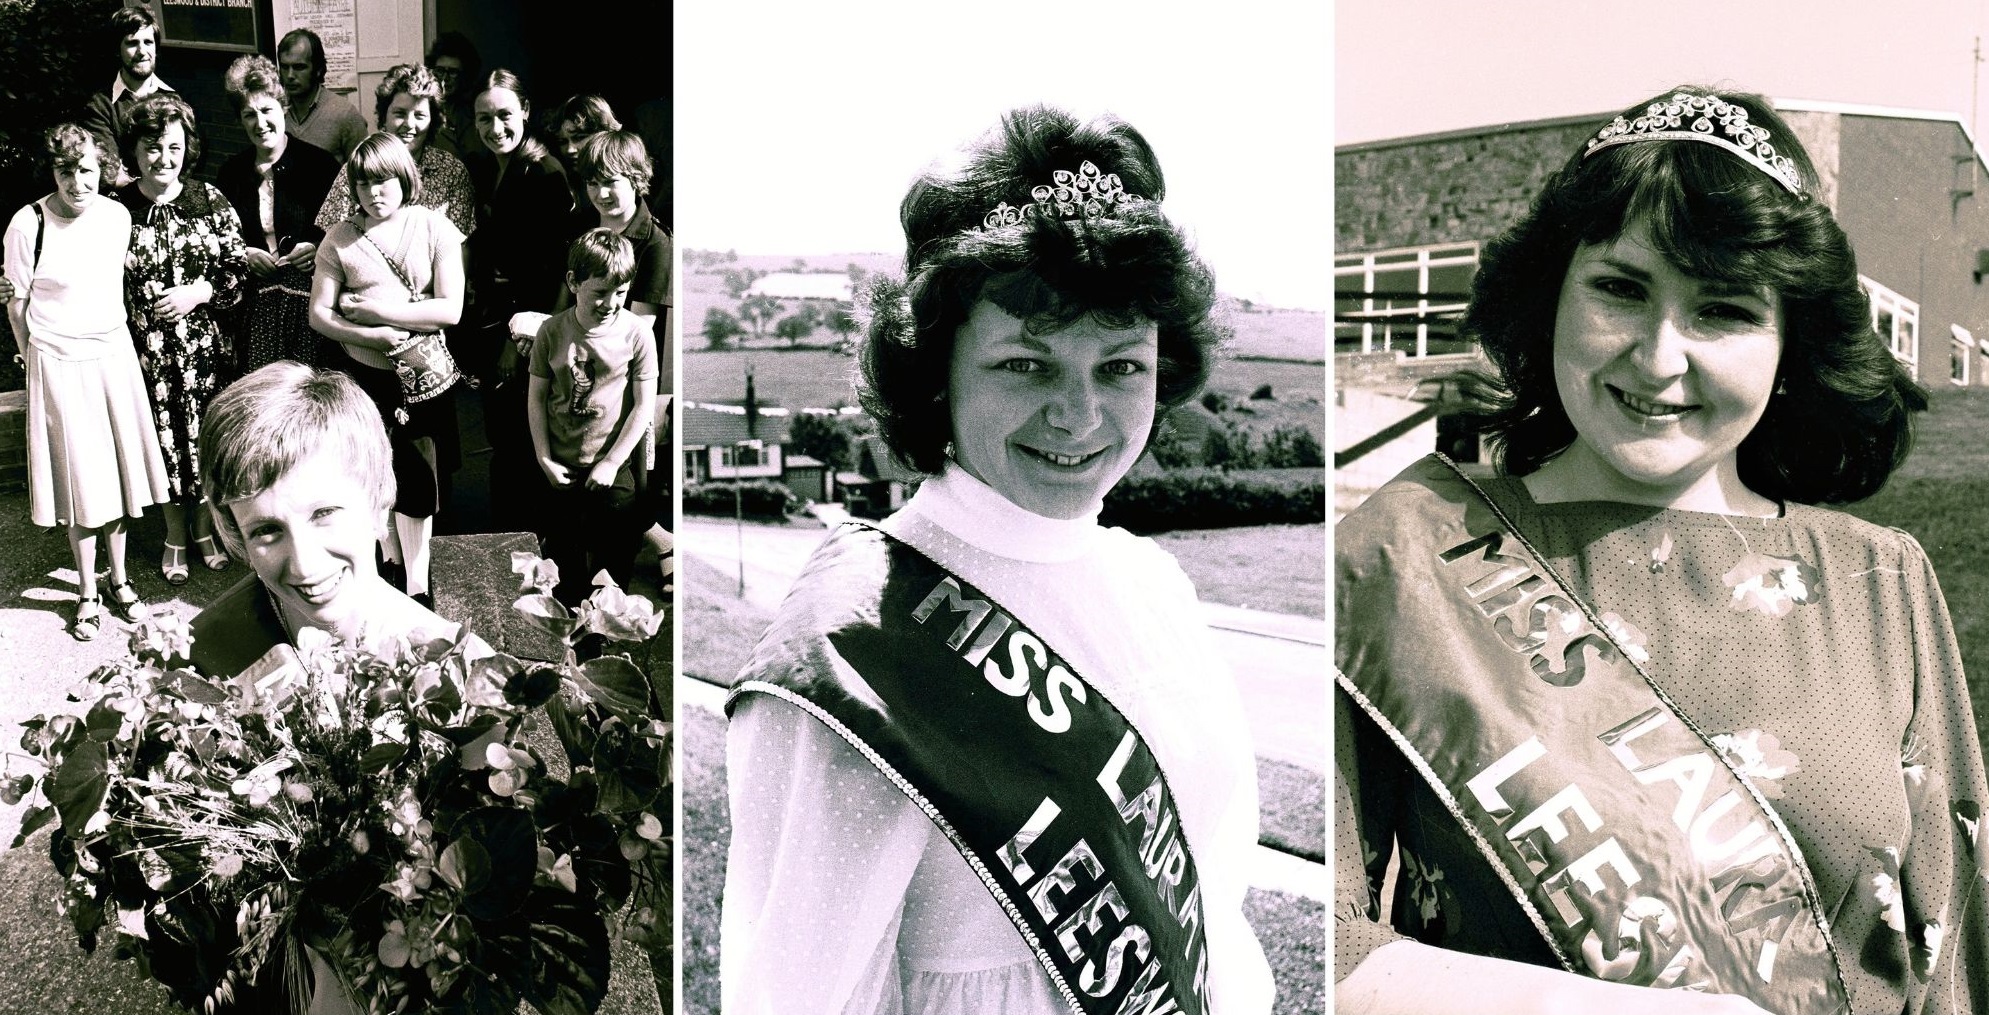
(1685, 728)
(986, 758)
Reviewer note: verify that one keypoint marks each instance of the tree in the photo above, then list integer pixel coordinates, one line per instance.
(799, 267)
(794, 327)
(827, 437)
(720, 328)
(759, 310)
(857, 273)
(840, 321)
(738, 280)
(1292, 446)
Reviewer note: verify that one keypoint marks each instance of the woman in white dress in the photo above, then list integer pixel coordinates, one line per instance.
(986, 758)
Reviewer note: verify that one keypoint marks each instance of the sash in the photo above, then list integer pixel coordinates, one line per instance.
(1630, 842)
(1046, 790)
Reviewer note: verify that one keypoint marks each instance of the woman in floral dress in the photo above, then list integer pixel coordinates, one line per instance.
(410, 108)
(186, 260)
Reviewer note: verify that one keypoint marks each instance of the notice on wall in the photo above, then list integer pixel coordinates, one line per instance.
(208, 24)
(336, 24)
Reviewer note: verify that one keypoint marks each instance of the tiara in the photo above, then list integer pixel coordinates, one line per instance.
(1708, 118)
(1087, 193)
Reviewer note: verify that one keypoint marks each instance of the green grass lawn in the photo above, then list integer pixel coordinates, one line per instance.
(1938, 496)
(1281, 568)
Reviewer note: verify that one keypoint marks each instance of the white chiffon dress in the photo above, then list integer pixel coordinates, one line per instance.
(842, 897)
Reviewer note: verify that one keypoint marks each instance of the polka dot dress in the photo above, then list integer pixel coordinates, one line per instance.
(1817, 652)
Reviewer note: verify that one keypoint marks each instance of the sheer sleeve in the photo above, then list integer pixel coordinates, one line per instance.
(1941, 912)
(822, 853)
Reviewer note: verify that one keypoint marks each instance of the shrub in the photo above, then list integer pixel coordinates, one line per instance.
(720, 327)
(1213, 499)
(1263, 392)
(1292, 446)
(757, 498)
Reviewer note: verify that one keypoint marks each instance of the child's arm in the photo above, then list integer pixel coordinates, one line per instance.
(536, 395)
(441, 310)
(325, 319)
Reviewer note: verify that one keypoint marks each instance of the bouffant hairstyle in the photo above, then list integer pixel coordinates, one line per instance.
(613, 153)
(1838, 426)
(416, 81)
(260, 427)
(377, 157)
(148, 122)
(590, 113)
(528, 146)
(319, 67)
(65, 144)
(603, 254)
(254, 77)
(1122, 268)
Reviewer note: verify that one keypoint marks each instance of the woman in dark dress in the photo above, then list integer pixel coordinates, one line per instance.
(517, 259)
(276, 186)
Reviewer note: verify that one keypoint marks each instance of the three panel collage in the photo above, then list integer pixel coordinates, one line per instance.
(823, 508)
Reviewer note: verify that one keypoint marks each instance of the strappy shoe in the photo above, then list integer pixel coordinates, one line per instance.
(89, 618)
(172, 564)
(125, 602)
(210, 554)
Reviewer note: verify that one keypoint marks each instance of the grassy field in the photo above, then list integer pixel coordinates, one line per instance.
(1269, 567)
(1938, 497)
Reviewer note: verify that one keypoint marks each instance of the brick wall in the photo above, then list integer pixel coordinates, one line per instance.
(1445, 188)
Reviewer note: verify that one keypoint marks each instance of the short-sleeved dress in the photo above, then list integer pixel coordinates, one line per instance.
(93, 453)
(425, 442)
(445, 187)
(1814, 648)
(194, 236)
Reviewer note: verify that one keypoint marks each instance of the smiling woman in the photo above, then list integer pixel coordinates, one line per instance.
(1681, 726)
(989, 719)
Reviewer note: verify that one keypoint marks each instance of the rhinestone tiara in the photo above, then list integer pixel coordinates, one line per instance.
(1708, 118)
(1084, 194)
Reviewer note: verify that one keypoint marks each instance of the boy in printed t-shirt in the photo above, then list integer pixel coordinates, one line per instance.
(592, 395)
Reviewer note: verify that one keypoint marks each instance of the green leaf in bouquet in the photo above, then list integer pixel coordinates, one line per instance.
(617, 683)
(103, 721)
(196, 688)
(547, 614)
(78, 786)
(510, 847)
(531, 688)
(34, 820)
(382, 755)
(465, 866)
(566, 971)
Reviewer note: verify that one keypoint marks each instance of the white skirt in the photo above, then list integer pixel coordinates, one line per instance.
(93, 452)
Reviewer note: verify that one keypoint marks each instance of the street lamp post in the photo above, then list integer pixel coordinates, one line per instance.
(738, 505)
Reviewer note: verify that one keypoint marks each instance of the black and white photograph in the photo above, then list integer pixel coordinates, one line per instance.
(1004, 672)
(336, 505)
(1659, 592)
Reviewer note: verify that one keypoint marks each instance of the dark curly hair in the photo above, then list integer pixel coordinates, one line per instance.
(1840, 426)
(149, 119)
(1119, 269)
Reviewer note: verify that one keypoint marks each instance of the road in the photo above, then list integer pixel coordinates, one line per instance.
(1280, 662)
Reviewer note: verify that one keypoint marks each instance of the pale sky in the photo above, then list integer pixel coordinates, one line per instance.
(799, 124)
(1406, 67)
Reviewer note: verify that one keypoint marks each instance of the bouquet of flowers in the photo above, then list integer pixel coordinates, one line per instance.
(396, 818)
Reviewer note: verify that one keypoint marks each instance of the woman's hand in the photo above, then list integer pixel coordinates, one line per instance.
(557, 474)
(261, 265)
(6, 290)
(603, 474)
(181, 300)
(300, 256)
(359, 310)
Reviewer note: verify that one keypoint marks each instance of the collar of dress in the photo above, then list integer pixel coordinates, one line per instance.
(974, 513)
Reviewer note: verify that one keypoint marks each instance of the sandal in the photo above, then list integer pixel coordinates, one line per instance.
(172, 564)
(125, 603)
(210, 554)
(89, 618)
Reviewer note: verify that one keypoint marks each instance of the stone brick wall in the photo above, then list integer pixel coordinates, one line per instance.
(1445, 188)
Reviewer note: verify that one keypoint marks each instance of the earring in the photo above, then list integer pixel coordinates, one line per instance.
(1782, 385)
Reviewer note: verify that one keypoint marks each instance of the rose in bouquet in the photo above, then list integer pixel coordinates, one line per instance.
(436, 827)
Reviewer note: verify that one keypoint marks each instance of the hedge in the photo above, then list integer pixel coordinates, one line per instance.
(759, 498)
(1214, 499)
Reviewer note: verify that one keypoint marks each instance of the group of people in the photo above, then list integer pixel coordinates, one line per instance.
(404, 258)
